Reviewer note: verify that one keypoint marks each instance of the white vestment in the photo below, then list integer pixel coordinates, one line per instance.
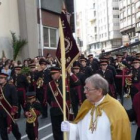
(81, 131)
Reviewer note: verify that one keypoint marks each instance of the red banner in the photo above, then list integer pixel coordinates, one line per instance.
(71, 49)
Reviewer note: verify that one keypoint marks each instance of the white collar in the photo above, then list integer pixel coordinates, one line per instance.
(97, 103)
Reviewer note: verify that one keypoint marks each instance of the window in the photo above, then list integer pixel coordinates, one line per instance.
(93, 5)
(116, 24)
(95, 29)
(94, 13)
(115, 8)
(50, 37)
(115, 16)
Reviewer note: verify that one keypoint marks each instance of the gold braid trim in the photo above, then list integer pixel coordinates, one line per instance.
(93, 124)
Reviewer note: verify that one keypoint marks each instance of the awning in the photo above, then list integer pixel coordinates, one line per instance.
(124, 48)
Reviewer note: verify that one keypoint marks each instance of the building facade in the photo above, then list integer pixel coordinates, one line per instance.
(9, 22)
(23, 18)
(130, 19)
(102, 25)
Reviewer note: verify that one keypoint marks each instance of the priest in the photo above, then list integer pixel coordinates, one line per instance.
(100, 117)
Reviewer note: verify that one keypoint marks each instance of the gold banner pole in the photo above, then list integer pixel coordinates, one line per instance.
(63, 61)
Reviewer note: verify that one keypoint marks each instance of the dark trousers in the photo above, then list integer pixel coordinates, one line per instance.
(21, 102)
(32, 130)
(75, 102)
(3, 128)
(133, 91)
(44, 107)
(138, 134)
(118, 83)
(56, 127)
(15, 131)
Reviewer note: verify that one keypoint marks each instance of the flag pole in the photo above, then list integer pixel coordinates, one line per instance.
(63, 62)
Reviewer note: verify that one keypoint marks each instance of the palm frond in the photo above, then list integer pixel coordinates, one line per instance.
(17, 45)
(14, 38)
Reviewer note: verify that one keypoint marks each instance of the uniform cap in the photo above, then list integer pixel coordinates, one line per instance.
(103, 62)
(3, 75)
(119, 55)
(82, 58)
(102, 58)
(136, 60)
(54, 70)
(18, 67)
(76, 65)
(137, 54)
(90, 55)
(30, 94)
(32, 65)
(43, 61)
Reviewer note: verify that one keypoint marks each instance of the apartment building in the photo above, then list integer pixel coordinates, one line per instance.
(130, 19)
(102, 25)
(106, 17)
(137, 7)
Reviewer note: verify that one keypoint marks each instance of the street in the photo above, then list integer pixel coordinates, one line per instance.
(45, 132)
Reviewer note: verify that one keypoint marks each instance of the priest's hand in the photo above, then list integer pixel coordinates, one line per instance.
(65, 126)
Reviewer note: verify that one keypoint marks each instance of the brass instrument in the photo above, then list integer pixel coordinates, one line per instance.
(33, 116)
(39, 82)
(121, 65)
(128, 83)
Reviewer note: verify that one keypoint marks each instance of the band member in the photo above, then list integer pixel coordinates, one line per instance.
(84, 68)
(110, 67)
(21, 84)
(108, 75)
(43, 78)
(8, 108)
(78, 91)
(32, 77)
(93, 63)
(55, 100)
(32, 111)
(138, 55)
(134, 113)
(119, 66)
(135, 87)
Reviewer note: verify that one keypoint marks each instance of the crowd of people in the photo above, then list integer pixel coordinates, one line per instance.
(94, 85)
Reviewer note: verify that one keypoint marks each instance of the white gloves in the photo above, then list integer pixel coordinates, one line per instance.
(65, 126)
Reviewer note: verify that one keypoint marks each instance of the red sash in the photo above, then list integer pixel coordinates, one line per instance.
(4, 104)
(59, 97)
(137, 86)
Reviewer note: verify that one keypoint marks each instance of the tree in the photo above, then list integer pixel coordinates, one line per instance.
(17, 45)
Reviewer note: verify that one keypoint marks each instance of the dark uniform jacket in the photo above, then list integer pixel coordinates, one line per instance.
(87, 71)
(20, 81)
(55, 110)
(32, 81)
(10, 94)
(135, 81)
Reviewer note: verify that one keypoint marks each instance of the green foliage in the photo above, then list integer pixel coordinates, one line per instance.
(17, 45)
(25, 70)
